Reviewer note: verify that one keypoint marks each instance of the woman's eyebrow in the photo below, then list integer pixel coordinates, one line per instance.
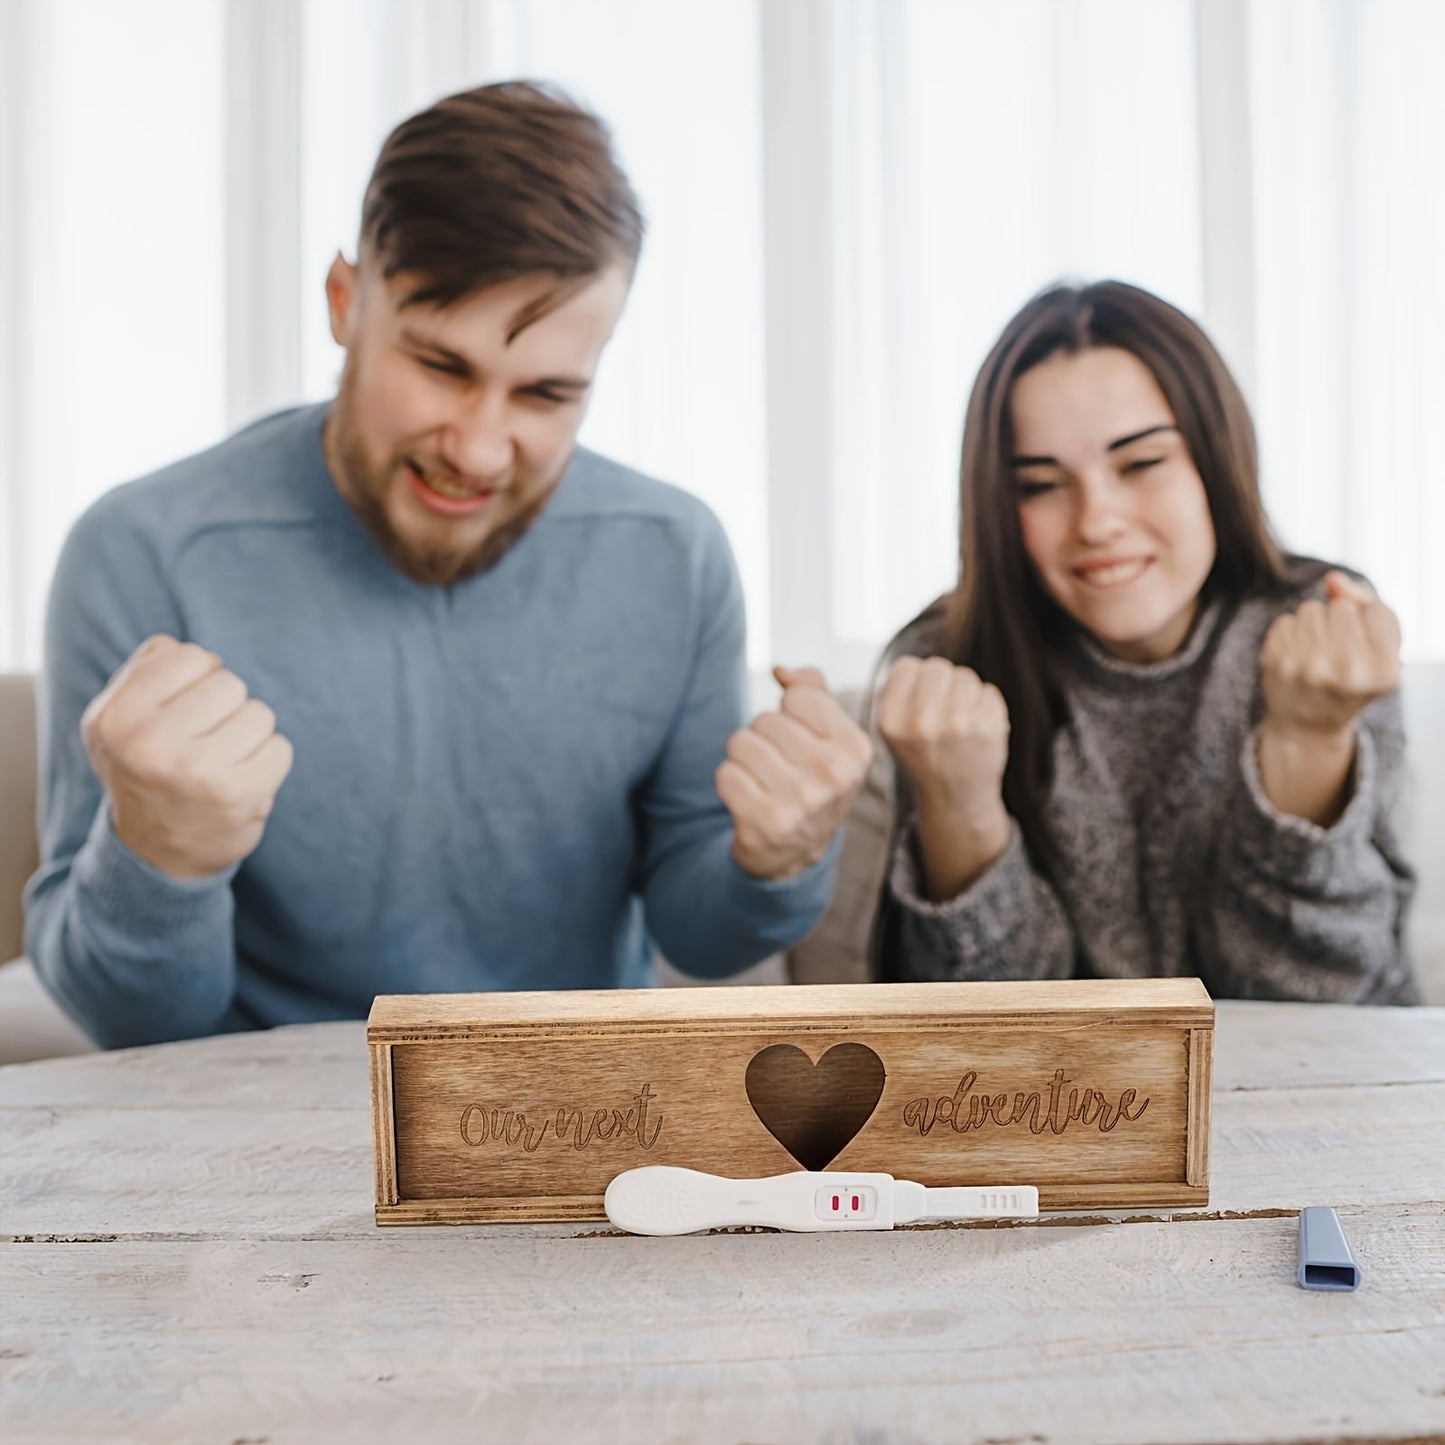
(1140, 435)
(1113, 446)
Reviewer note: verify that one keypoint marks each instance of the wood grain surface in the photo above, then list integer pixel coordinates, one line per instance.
(187, 1254)
(507, 1106)
(825, 1008)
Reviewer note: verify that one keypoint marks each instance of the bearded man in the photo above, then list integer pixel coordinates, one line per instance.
(407, 692)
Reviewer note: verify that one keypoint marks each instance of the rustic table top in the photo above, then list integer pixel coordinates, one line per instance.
(187, 1253)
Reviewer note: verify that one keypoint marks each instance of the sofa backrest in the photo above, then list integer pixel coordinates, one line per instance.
(18, 850)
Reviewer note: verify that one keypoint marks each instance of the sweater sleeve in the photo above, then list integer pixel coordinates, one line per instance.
(1007, 924)
(709, 916)
(1310, 913)
(132, 955)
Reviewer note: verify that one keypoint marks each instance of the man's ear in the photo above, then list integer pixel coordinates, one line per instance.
(342, 283)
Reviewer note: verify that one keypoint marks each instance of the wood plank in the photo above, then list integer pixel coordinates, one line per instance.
(420, 1018)
(1094, 1115)
(1256, 1046)
(1155, 1201)
(383, 1124)
(187, 1173)
(1140, 1334)
(1299, 1045)
(288, 1174)
(298, 1068)
(1201, 1053)
(1289, 1148)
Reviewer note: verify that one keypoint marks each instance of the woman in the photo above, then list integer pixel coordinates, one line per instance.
(1136, 740)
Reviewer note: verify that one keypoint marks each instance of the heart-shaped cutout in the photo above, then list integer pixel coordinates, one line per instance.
(815, 1110)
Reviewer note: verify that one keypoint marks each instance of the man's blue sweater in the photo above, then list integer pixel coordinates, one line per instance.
(503, 784)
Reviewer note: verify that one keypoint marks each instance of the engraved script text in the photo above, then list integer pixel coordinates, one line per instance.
(965, 1111)
(511, 1127)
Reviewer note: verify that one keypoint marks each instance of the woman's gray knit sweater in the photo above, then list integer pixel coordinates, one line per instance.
(1171, 859)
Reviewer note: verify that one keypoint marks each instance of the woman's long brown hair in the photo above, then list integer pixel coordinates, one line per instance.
(999, 620)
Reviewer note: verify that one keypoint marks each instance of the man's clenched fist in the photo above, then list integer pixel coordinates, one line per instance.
(791, 776)
(190, 762)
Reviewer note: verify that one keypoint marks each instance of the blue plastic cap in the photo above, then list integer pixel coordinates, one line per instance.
(1325, 1261)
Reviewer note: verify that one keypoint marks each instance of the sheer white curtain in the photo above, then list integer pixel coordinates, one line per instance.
(1348, 147)
(112, 261)
(175, 176)
(846, 198)
(1272, 166)
(681, 394)
(980, 151)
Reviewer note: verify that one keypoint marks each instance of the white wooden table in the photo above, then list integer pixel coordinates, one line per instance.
(187, 1254)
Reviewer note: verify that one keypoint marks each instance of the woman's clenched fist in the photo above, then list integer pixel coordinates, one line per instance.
(1323, 664)
(949, 731)
(1320, 667)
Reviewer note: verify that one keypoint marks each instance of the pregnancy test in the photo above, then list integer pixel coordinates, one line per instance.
(665, 1199)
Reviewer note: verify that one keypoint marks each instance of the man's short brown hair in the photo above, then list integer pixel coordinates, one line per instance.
(495, 183)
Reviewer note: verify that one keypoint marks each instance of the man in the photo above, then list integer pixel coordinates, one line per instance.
(407, 693)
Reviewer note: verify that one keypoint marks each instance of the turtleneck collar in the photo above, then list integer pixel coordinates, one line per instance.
(1106, 667)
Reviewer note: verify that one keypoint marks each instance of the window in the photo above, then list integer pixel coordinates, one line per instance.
(846, 199)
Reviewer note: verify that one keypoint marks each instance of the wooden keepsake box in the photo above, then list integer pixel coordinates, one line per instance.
(523, 1106)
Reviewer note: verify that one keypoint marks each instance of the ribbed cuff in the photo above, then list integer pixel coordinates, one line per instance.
(127, 890)
(780, 899)
(1296, 850)
(987, 913)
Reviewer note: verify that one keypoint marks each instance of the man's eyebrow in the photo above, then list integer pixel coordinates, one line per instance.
(425, 343)
(1113, 446)
(455, 358)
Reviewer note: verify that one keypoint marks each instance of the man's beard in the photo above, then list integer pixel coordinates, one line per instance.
(365, 490)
